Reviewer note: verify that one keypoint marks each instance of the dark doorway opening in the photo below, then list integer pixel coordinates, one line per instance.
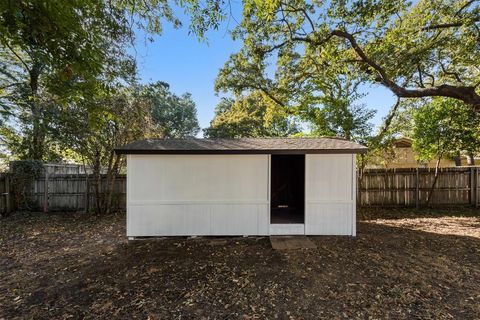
(287, 186)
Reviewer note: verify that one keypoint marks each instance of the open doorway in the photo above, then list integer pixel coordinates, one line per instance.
(287, 186)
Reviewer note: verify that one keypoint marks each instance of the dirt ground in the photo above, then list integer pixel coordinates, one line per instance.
(403, 265)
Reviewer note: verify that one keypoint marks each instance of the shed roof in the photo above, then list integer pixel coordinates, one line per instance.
(242, 146)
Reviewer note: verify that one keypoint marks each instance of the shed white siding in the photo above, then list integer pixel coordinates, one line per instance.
(177, 195)
(184, 195)
(330, 194)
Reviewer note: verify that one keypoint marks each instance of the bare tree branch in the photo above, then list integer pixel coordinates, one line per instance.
(466, 5)
(17, 55)
(11, 85)
(420, 77)
(448, 25)
(450, 73)
(466, 94)
(388, 120)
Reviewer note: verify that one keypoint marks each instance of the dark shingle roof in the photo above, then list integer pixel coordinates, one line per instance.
(242, 146)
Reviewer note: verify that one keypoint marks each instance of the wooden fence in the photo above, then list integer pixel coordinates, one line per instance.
(376, 187)
(5, 194)
(62, 192)
(411, 187)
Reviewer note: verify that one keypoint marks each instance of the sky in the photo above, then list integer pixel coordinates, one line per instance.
(189, 65)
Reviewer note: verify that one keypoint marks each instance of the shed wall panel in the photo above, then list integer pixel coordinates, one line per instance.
(198, 177)
(329, 218)
(329, 177)
(330, 194)
(197, 195)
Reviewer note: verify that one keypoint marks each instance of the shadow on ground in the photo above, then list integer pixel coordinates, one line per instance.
(81, 266)
(369, 213)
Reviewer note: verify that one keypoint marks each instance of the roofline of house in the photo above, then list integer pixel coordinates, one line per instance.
(242, 151)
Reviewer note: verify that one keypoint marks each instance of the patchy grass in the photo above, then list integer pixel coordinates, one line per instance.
(81, 266)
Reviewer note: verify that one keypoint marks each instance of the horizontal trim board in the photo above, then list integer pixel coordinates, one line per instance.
(252, 151)
(329, 201)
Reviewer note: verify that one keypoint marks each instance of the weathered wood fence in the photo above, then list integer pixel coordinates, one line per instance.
(5, 194)
(62, 192)
(376, 187)
(411, 187)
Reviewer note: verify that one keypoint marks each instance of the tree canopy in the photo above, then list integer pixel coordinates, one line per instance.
(444, 128)
(252, 115)
(172, 116)
(58, 52)
(339, 112)
(415, 49)
(299, 60)
(56, 49)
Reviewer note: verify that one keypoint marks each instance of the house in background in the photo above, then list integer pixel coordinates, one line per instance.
(226, 187)
(402, 155)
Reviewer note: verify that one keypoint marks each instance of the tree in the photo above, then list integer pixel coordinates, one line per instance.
(58, 47)
(444, 128)
(120, 117)
(420, 49)
(69, 50)
(92, 133)
(249, 116)
(338, 113)
(173, 116)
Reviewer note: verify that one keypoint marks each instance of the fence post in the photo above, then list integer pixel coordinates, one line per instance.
(417, 189)
(77, 189)
(87, 191)
(359, 191)
(475, 183)
(472, 186)
(45, 191)
(7, 193)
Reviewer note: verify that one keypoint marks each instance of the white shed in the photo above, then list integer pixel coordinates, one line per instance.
(272, 186)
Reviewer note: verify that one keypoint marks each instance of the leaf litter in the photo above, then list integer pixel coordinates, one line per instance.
(79, 266)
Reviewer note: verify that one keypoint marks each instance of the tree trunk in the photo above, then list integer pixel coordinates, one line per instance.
(97, 174)
(432, 188)
(36, 148)
(111, 184)
(458, 160)
(108, 178)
